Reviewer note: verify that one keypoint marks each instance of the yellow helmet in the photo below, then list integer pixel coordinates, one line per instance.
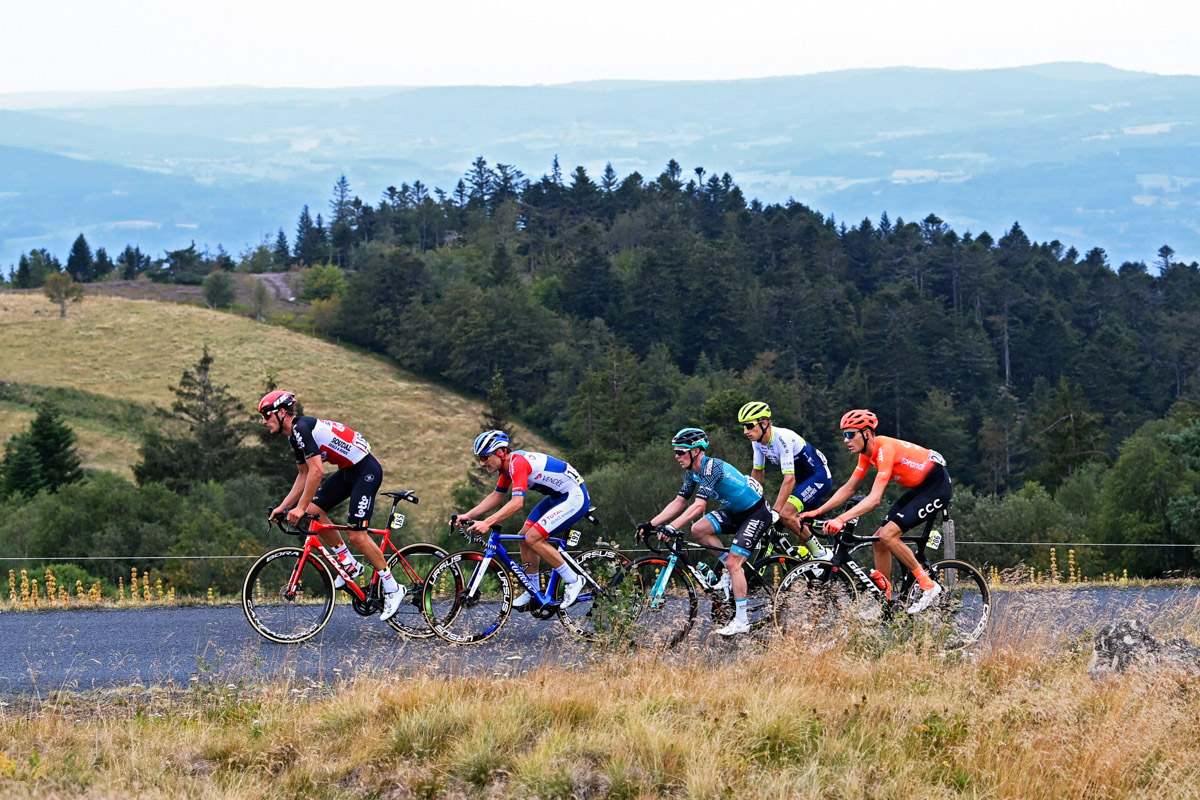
(754, 410)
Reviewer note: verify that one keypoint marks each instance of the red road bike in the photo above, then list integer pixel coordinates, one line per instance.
(288, 594)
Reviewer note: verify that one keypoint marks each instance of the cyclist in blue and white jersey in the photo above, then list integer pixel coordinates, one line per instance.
(806, 477)
(566, 503)
(743, 513)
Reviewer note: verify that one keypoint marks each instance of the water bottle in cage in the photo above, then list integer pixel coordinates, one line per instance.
(706, 571)
(882, 582)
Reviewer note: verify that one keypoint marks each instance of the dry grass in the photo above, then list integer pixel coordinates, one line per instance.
(101, 447)
(1020, 718)
(134, 349)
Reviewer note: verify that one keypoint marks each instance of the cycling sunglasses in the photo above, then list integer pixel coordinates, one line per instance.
(749, 425)
(848, 435)
(682, 452)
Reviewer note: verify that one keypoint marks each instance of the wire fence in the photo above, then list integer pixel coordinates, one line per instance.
(958, 542)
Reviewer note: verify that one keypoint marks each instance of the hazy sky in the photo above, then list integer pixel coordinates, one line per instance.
(103, 45)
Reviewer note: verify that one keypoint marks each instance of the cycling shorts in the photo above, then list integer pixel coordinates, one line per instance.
(920, 503)
(360, 483)
(554, 516)
(811, 492)
(748, 526)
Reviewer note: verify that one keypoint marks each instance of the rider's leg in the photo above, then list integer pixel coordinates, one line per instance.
(883, 558)
(889, 536)
(790, 516)
(736, 575)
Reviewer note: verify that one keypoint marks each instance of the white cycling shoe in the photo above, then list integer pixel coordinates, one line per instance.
(926, 599)
(353, 572)
(734, 627)
(391, 602)
(571, 593)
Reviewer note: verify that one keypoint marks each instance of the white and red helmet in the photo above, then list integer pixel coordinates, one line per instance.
(278, 399)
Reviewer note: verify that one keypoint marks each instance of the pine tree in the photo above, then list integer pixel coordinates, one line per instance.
(81, 263)
(497, 409)
(210, 446)
(54, 441)
(281, 255)
(23, 277)
(307, 248)
(501, 271)
(20, 473)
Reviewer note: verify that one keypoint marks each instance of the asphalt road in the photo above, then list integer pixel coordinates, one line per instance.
(76, 650)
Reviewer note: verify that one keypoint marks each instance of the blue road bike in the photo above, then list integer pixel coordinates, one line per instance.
(472, 609)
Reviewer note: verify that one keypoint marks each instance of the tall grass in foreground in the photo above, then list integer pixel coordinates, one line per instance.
(867, 717)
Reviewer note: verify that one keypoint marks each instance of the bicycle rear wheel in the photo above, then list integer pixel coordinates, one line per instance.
(596, 611)
(409, 567)
(466, 601)
(663, 599)
(814, 602)
(282, 610)
(763, 578)
(960, 614)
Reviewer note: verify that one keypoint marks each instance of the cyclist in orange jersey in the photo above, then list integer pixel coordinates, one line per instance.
(920, 470)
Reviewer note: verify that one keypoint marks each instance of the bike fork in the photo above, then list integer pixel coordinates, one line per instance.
(660, 585)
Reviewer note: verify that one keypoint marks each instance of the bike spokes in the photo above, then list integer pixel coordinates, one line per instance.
(286, 604)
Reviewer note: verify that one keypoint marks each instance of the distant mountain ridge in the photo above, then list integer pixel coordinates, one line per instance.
(1083, 153)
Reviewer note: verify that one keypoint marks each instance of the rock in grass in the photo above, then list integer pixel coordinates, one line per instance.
(1130, 645)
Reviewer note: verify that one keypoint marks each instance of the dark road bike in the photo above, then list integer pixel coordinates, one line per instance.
(825, 597)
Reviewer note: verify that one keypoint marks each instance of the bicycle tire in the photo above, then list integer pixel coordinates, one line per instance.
(814, 602)
(282, 617)
(592, 615)
(660, 622)
(457, 618)
(959, 616)
(421, 557)
(762, 581)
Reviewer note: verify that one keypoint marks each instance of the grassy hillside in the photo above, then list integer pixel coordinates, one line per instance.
(132, 350)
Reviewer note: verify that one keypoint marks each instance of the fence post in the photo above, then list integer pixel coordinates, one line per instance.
(948, 538)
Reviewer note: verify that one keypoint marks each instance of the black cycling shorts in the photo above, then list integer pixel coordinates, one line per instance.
(359, 482)
(750, 525)
(922, 502)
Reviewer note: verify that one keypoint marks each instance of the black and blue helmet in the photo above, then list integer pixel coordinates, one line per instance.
(689, 438)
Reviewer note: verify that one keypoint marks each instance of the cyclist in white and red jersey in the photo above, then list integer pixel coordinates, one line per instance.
(921, 471)
(566, 503)
(316, 441)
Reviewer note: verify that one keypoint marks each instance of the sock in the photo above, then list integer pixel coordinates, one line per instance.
(722, 558)
(389, 583)
(739, 610)
(923, 580)
(566, 573)
(343, 553)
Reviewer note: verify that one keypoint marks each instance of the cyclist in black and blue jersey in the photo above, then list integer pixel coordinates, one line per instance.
(743, 512)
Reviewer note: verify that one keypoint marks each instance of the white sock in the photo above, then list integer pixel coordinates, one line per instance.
(739, 610)
(566, 573)
(389, 583)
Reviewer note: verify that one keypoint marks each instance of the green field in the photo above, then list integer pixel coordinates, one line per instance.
(133, 350)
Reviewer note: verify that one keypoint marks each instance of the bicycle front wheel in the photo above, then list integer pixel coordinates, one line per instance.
(466, 600)
(960, 614)
(285, 600)
(665, 601)
(409, 566)
(814, 602)
(596, 612)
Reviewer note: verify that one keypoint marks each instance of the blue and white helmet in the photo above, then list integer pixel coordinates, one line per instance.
(489, 442)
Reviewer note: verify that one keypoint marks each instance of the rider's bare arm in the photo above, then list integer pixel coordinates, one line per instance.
(507, 510)
(485, 505)
(837, 498)
(870, 501)
(312, 471)
(693, 513)
(785, 491)
(672, 509)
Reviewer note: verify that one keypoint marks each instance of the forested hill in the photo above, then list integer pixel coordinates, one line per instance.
(620, 309)
(1091, 155)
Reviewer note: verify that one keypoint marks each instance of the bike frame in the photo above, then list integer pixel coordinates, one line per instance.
(847, 543)
(676, 552)
(313, 546)
(493, 550)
